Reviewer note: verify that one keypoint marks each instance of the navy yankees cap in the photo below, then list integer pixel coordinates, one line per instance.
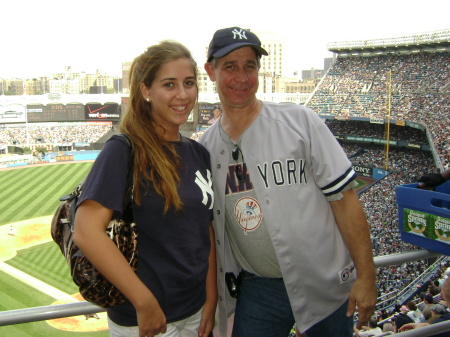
(226, 40)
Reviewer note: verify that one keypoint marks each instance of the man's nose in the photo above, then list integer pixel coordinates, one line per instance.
(241, 76)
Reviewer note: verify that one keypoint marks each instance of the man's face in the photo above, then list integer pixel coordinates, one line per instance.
(236, 77)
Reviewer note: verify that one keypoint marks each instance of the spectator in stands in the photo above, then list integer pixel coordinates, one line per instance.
(437, 285)
(434, 291)
(382, 315)
(428, 300)
(443, 315)
(401, 319)
(437, 311)
(371, 329)
(422, 303)
(176, 292)
(415, 313)
(431, 180)
(263, 242)
(388, 327)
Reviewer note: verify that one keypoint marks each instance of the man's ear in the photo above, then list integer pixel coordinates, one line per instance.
(210, 71)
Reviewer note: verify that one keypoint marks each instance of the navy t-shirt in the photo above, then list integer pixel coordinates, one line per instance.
(173, 248)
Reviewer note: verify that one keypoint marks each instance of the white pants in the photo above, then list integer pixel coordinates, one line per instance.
(187, 327)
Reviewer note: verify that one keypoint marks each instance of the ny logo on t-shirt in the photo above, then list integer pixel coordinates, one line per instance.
(206, 187)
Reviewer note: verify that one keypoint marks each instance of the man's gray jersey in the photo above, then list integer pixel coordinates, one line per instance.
(294, 163)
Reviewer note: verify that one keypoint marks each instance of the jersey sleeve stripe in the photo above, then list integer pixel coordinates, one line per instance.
(339, 184)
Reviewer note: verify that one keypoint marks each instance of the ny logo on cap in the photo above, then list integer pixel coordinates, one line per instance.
(240, 33)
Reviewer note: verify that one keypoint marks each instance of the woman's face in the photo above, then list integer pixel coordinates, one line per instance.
(172, 94)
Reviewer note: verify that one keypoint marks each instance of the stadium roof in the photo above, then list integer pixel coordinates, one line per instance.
(437, 40)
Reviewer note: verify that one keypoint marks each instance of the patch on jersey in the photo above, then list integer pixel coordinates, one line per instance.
(346, 273)
(248, 214)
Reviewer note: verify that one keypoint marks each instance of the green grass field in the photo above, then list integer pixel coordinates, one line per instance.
(26, 194)
(33, 192)
(360, 183)
(46, 263)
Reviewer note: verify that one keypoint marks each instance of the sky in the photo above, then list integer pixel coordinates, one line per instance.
(40, 38)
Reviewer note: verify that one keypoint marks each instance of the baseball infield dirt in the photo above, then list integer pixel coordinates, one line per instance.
(34, 232)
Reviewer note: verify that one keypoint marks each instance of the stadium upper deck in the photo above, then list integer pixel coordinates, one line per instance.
(403, 85)
(429, 41)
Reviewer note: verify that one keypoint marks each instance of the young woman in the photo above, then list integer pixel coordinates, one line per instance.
(174, 291)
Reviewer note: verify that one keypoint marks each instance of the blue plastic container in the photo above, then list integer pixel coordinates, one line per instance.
(424, 216)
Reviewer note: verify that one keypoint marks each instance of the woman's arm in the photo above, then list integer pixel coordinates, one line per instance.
(91, 222)
(209, 308)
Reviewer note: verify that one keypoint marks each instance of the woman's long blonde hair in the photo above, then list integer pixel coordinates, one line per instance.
(155, 159)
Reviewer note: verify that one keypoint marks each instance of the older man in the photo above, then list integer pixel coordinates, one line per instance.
(287, 219)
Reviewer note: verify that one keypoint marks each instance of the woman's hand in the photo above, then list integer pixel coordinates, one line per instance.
(151, 319)
(207, 321)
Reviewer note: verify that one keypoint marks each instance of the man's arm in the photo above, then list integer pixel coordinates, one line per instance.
(352, 224)
(410, 326)
(434, 179)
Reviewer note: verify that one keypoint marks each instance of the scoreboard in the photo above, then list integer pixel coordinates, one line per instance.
(73, 112)
(55, 113)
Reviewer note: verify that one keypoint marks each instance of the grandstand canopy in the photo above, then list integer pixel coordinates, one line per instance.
(431, 41)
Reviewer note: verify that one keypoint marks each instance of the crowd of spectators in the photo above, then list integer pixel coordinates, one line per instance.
(362, 129)
(419, 87)
(379, 201)
(21, 136)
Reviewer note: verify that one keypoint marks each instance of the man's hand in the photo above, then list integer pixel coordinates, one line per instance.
(431, 180)
(364, 296)
(410, 326)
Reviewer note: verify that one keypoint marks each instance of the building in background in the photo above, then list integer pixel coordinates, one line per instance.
(273, 63)
(125, 77)
(37, 86)
(271, 77)
(312, 74)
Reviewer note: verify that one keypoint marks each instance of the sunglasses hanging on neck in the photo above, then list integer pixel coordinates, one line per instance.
(240, 173)
(235, 152)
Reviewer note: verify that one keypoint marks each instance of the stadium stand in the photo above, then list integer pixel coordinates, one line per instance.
(53, 134)
(357, 86)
